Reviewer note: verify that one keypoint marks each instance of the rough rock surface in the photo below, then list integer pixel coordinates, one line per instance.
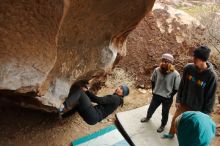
(45, 46)
(164, 30)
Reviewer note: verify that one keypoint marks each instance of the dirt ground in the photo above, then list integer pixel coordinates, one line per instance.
(22, 127)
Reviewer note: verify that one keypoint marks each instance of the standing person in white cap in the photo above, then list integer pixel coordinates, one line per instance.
(165, 83)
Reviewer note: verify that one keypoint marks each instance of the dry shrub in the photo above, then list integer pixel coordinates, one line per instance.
(118, 77)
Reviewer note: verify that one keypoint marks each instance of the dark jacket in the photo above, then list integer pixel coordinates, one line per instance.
(107, 104)
(197, 89)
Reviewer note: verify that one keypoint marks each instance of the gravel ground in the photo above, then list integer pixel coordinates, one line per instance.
(22, 127)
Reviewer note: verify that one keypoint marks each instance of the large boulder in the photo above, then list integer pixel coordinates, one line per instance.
(48, 45)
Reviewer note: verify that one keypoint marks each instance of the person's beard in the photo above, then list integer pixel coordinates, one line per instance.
(163, 70)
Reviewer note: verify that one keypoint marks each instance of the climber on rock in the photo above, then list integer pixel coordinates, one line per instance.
(81, 98)
(165, 83)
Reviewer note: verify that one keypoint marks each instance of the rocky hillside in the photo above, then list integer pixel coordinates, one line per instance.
(164, 30)
(168, 29)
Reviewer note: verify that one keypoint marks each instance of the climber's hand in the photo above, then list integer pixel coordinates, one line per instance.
(84, 89)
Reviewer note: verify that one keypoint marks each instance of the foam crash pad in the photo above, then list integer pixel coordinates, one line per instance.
(145, 134)
(109, 136)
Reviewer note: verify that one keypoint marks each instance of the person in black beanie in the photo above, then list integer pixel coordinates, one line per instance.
(202, 52)
(197, 88)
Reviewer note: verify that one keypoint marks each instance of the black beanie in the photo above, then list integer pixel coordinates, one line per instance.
(202, 53)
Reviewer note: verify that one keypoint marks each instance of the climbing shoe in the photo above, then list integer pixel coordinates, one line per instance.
(168, 136)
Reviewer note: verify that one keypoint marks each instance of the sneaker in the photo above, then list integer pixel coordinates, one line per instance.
(168, 136)
(60, 113)
(160, 129)
(61, 108)
(144, 120)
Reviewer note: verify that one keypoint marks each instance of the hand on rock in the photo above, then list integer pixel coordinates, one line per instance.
(84, 89)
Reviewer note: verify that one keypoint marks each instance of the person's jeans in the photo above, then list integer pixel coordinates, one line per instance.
(166, 104)
(181, 109)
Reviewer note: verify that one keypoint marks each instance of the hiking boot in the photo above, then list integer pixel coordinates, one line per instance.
(168, 136)
(160, 129)
(143, 120)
